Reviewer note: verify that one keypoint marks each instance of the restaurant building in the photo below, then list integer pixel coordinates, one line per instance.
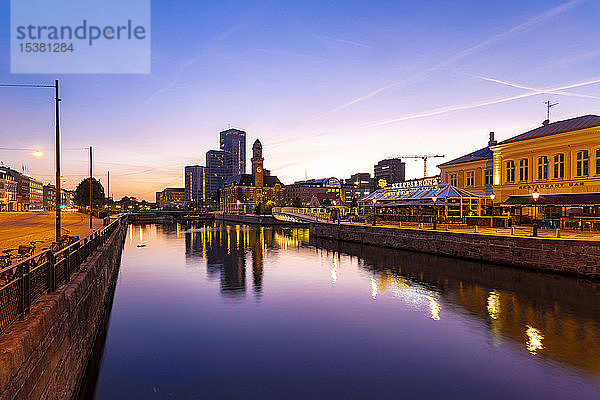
(559, 160)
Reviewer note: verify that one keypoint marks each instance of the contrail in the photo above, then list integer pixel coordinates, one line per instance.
(468, 106)
(516, 85)
(517, 30)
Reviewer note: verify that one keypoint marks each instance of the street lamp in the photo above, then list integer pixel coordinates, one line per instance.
(492, 197)
(374, 212)
(536, 196)
(434, 198)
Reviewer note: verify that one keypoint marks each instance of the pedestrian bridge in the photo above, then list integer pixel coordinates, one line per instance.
(300, 215)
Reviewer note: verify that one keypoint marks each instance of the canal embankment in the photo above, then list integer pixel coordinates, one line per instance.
(45, 355)
(559, 255)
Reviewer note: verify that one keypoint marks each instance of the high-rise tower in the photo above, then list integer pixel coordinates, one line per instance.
(234, 142)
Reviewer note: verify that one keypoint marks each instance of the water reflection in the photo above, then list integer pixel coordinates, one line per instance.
(310, 305)
(550, 315)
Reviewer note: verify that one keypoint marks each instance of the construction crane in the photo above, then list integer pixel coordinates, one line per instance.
(423, 157)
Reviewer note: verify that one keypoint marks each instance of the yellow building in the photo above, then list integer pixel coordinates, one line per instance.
(559, 160)
(473, 171)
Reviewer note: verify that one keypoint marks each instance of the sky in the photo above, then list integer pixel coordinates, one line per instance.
(329, 87)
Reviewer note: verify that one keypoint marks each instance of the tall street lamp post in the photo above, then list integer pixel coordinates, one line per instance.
(492, 197)
(536, 196)
(57, 100)
(374, 212)
(434, 198)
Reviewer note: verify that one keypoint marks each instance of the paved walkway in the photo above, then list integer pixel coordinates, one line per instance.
(21, 228)
(525, 231)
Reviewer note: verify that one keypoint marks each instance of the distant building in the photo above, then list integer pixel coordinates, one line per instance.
(217, 165)
(171, 199)
(358, 186)
(304, 191)
(391, 170)
(195, 177)
(233, 141)
(30, 192)
(8, 191)
(49, 198)
(244, 192)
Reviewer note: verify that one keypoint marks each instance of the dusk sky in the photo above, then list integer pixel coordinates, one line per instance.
(330, 88)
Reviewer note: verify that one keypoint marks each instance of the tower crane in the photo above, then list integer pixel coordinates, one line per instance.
(423, 157)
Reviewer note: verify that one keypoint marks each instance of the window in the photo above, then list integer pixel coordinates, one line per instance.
(488, 177)
(510, 171)
(559, 166)
(453, 180)
(470, 178)
(524, 170)
(542, 168)
(583, 163)
(598, 162)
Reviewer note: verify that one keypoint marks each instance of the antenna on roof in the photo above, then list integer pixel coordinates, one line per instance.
(549, 105)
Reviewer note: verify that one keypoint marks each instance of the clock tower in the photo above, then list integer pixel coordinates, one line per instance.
(257, 164)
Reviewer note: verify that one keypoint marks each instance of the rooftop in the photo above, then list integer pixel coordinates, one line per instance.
(554, 128)
(481, 154)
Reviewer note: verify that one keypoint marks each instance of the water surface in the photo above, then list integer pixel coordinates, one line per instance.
(232, 311)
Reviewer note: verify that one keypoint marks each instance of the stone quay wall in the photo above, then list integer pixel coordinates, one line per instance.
(567, 256)
(45, 355)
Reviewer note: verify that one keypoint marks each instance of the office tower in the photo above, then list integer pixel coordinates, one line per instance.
(234, 142)
(391, 170)
(195, 185)
(217, 164)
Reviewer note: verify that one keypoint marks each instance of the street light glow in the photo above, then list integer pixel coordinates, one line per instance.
(492, 196)
(535, 195)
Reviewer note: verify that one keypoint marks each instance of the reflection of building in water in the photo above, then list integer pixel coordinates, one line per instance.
(549, 316)
(225, 249)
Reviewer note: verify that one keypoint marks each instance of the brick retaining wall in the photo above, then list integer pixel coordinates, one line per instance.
(44, 356)
(579, 257)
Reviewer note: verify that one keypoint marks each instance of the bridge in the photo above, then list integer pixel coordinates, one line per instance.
(300, 215)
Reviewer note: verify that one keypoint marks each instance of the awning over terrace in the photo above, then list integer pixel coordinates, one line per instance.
(387, 196)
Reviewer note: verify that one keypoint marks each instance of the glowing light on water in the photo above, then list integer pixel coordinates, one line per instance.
(493, 304)
(334, 275)
(373, 289)
(534, 341)
(434, 307)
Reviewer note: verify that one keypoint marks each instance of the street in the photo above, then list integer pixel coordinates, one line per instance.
(21, 228)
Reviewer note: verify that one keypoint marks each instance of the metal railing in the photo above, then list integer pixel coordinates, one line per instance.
(305, 214)
(22, 284)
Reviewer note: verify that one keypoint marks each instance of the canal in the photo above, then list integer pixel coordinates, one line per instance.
(239, 312)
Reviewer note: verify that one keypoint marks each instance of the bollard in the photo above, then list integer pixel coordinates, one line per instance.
(420, 225)
(399, 224)
(557, 232)
(476, 229)
(512, 230)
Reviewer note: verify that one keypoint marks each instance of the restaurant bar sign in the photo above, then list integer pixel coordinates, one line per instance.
(421, 183)
(552, 185)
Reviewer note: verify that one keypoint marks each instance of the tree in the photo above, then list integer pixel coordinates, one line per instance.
(82, 193)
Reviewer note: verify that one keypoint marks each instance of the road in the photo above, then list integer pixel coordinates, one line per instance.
(21, 228)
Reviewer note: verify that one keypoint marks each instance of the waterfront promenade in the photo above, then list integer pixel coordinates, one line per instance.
(516, 231)
(21, 228)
